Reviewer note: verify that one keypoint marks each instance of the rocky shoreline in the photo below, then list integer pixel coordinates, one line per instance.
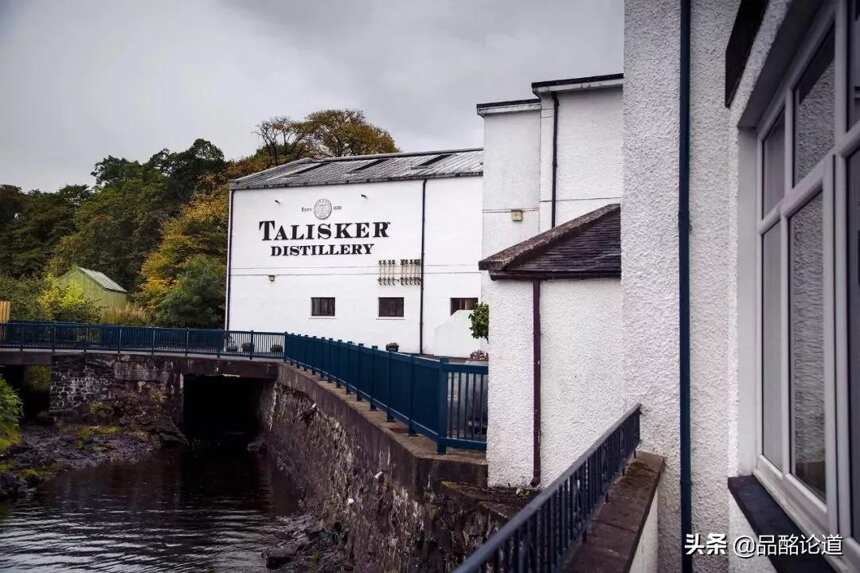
(48, 447)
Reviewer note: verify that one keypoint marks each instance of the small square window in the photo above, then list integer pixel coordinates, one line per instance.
(390, 306)
(463, 304)
(322, 306)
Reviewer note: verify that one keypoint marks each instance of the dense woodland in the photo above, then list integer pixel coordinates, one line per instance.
(157, 227)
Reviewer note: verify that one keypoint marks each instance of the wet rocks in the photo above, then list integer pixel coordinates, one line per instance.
(305, 545)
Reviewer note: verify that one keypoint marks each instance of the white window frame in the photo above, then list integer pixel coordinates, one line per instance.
(829, 177)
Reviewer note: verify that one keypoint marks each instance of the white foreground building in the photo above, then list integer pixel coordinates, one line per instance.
(740, 256)
(552, 183)
(373, 249)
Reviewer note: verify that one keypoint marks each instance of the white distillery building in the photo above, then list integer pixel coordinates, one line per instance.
(372, 249)
(739, 289)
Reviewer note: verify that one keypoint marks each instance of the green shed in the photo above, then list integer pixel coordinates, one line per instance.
(96, 286)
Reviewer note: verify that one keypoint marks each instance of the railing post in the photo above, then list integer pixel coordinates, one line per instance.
(153, 342)
(388, 415)
(348, 376)
(411, 411)
(340, 366)
(285, 346)
(186, 341)
(119, 341)
(53, 337)
(358, 373)
(224, 335)
(373, 350)
(251, 353)
(442, 430)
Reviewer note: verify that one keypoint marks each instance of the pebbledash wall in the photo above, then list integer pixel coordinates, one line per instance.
(273, 277)
(722, 261)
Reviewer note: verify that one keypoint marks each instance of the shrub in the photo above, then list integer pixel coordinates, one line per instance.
(10, 414)
(276, 349)
(67, 303)
(480, 321)
(128, 315)
(392, 347)
(247, 347)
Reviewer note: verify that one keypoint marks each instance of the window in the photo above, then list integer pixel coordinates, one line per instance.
(390, 306)
(463, 304)
(322, 306)
(809, 283)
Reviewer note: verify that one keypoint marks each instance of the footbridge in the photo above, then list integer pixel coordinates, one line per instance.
(438, 398)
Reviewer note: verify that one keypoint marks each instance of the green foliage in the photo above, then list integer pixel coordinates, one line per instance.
(196, 299)
(37, 379)
(23, 293)
(10, 414)
(32, 225)
(479, 320)
(67, 303)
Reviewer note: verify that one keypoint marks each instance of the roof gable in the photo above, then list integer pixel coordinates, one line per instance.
(586, 247)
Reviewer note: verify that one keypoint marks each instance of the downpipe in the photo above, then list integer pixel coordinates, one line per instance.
(684, 285)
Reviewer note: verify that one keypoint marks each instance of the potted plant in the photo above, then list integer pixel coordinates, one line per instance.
(231, 345)
(392, 347)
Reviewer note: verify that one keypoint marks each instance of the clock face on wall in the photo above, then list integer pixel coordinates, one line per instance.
(322, 209)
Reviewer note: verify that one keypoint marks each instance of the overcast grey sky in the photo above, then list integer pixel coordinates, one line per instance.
(85, 79)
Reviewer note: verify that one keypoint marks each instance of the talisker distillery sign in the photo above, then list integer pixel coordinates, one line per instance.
(319, 239)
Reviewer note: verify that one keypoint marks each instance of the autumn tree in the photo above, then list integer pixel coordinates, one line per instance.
(325, 133)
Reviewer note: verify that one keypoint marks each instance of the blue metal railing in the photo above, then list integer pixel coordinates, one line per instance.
(443, 400)
(539, 537)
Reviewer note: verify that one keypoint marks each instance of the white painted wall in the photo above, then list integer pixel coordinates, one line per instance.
(590, 153)
(739, 526)
(722, 313)
(509, 410)
(582, 390)
(452, 335)
(581, 374)
(452, 250)
(511, 178)
(646, 558)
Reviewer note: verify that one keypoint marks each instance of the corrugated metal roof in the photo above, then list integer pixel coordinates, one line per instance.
(102, 279)
(367, 169)
(586, 247)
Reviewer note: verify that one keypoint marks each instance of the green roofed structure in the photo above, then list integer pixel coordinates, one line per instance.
(96, 286)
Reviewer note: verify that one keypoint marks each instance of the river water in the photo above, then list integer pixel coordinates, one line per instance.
(180, 510)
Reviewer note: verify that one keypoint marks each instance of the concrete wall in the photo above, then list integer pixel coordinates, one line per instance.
(452, 250)
(590, 153)
(647, 557)
(581, 374)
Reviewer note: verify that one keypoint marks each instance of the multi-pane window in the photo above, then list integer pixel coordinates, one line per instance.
(390, 306)
(463, 304)
(322, 306)
(809, 282)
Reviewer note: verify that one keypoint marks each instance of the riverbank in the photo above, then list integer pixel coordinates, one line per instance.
(52, 446)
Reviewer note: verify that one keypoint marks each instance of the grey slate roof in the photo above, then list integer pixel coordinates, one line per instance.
(367, 169)
(103, 280)
(586, 247)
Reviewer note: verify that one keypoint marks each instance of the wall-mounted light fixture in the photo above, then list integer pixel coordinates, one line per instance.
(517, 215)
(271, 278)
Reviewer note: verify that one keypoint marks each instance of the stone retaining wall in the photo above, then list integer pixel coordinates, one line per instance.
(404, 507)
(130, 387)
